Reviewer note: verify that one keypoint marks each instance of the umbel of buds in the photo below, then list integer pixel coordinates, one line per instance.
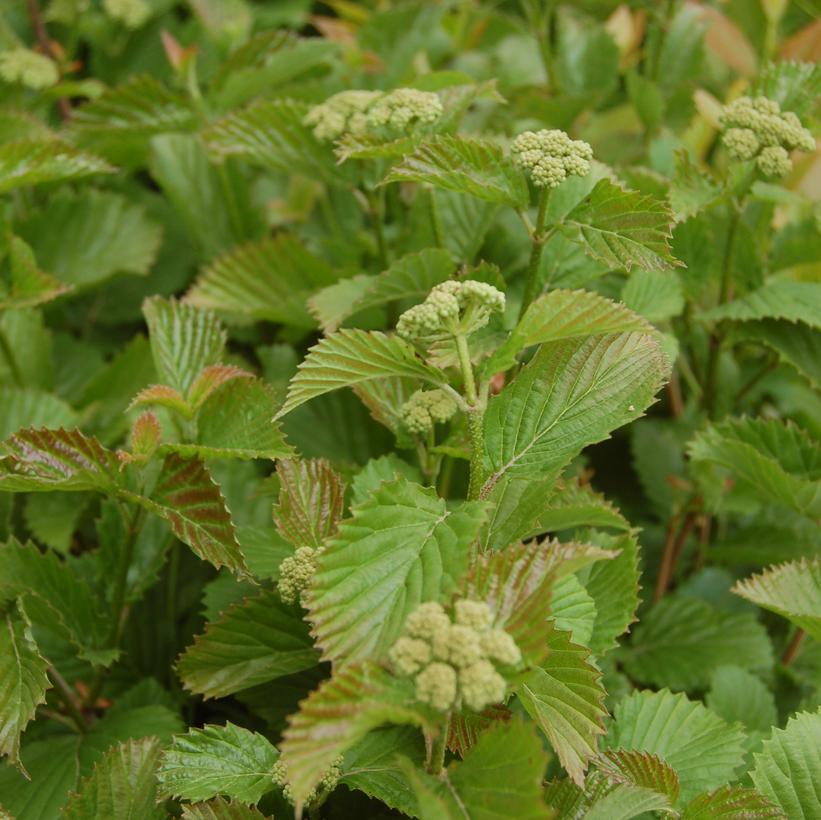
(451, 309)
(295, 575)
(452, 661)
(551, 156)
(757, 128)
(279, 775)
(27, 67)
(426, 407)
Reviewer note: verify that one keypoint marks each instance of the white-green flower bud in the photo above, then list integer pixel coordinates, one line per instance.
(463, 646)
(279, 774)
(499, 646)
(28, 68)
(551, 156)
(295, 575)
(436, 685)
(131, 13)
(425, 407)
(403, 107)
(426, 621)
(343, 113)
(409, 655)
(742, 143)
(480, 685)
(774, 161)
(475, 614)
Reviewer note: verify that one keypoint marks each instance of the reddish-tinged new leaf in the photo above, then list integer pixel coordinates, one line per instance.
(164, 396)
(642, 769)
(732, 803)
(212, 377)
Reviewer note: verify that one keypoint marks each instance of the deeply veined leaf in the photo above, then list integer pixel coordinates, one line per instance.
(678, 629)
(795, 86)
(218, 760)
(220, 809)
(466, 166)
(377, 471)
(574, 505)
(351, 357)
(642, 769)
(622, 802)
(26, 407)
(33, 162)
(622, 228)
(571, 394)
(779, 462)
(311, 501)
(411, 277)
(270, 279)
(732, 803)
(565, 698)
(499, 778)
(28, 285)
(122, 786)
(253, 642)
(337, 715)
(565, 314)
(573, 609)
(656, 295)
(792, 590)
(788, 768)
(777, 299)
(399, 548)
(184, 340)
(703, 749)
(86, 238)
(739, 696)
(23, 679)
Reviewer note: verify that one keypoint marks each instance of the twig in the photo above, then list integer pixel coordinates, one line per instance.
(792, 648)
(63, 105)
(673, 547)
(67, 697)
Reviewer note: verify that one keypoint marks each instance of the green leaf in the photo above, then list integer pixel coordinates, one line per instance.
(220, 809)
(788, 768)
(573, 609)
(337, 715)
(252, 642)
(796, 344)
(399, 548)
(184, 340)
(311, 501)
(739, 696)
(52, 518)
(678, 629)
(499, 778)
(122, 785)
(411, 277)
(791, 590)
(466, 166)
(622, 228)
(351, 357)
(703, 749)
(794, 85)
(571, 394)
(692, 188)
(33, 162)
(218, 760)
(23, 679)
(565, 314)
(89, 237)
(270, 280)
(777, 299)
(732, 803)
(587, 58)
(656, 295)
(574, 505)
(26, 407)
(779, 462)
(629, 767)
(377, 471)
(566, 699)
(682, 49)
(27, 285)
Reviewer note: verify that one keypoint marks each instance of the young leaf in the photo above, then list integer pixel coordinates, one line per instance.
(573, 609)
(122, 786)
(571, 394)
(566, 699)
(23, 679)
(788, 768)
(351, 357)
(252, 642)
(732, 803)
(28, 286)
(796, 344)
(792, 590)
(639, 769)
(218, 760)
(622, 228)
(793, 85)
(776, 299)
(33, 162)
(268, 280)
(220, 809)
(399, 548)
(466, 166)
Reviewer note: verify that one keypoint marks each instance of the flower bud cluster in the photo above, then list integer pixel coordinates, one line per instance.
(131, 13)
(279, 774)
(756, 128)
(451, 309)
(451, 661)
(551, 156)
(426, 407)
(27, 67)
(403, 107)
(295, 575)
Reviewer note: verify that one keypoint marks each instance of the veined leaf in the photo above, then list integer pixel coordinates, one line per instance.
(574, 505)
(792, 590)
(184, 340)
(573, 609)
(788, 768)
(337, 715)
(777, 299)
(220, 809)
(566, 699)
(23, 679)
(377, 471)
(692, 189)
(270, 279)
(253, 642)
(678, 628)
(411, 277)
(26, 407)
(732, 803)
(641, 769)
(656, 295)
(351, 357)
(28, 286)
(33, 162)
(622, 228)
(122, 786)
(795, 86)
(703, 749)
(739, 696)
(780, 462)
(311, 501)
(797, 344)
(466, 166)
(572, 393)
(399, 548)
(218, 760)
(565, 314)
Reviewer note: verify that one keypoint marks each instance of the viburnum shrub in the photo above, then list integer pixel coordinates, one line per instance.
(409, 409)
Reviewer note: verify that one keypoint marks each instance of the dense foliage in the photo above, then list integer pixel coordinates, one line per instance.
(410, 408)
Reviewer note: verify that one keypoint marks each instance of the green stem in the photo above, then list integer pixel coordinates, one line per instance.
(436, 752)
(477, 470)
(435, 221)
(11, 360)
(538, 239)
(66, 696)
(467, 369)
(376, 206)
